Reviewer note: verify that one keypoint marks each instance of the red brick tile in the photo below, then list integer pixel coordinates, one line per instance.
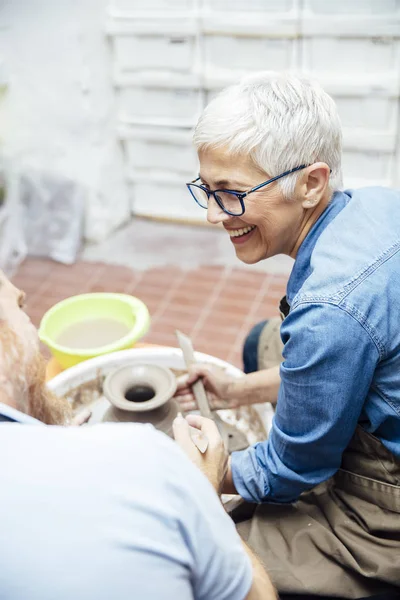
(279, 281)
(29, 285)
(160, 325)
(161, 277)
(117, 285)
(63, 289)
(35, 317)
(42, 304)
(153, 307)
(242, 292)
(240, 338)
(274, 296)
(250, 277)
(201, 280)
(214, 338)
(151, 299)
(154, 289)
(237, 354)
(36, 267)
(222, 320)
(185, 299)
(232, 308)
(79, 269)
(224, 343)
(163, 328)
(126, 277)
(236, 361)
(73, 275)
(228, 329)
(160, 338)
(211, 272)
(266, 310)
(175, 311)
(154, 304)
(208, 347)
(151, 289)
(177, 320)
(197, 290)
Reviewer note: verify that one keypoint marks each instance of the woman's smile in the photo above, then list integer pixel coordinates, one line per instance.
(241, 235)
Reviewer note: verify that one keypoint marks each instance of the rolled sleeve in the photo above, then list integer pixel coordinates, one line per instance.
(329, 362)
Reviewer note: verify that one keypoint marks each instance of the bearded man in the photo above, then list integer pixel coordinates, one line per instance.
(110, 510)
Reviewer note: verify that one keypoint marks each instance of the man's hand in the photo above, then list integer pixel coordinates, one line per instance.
(218, 386)
(82, 417)
(214, 461)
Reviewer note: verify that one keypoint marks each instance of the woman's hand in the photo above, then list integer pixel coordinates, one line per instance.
(214, 461)
(219, 387)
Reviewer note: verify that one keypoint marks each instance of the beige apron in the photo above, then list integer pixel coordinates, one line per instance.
(343, 537)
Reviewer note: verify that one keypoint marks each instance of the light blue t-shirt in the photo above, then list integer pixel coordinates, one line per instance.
(111, 511)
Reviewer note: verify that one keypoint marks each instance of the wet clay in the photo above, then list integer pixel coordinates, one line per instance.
(92, 333)
(161, 418)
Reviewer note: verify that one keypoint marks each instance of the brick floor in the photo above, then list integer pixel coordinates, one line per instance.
(216, 306)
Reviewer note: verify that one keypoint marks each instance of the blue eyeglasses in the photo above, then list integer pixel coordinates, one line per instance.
(229, 201)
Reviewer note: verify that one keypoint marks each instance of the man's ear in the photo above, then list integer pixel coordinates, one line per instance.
(314, 184)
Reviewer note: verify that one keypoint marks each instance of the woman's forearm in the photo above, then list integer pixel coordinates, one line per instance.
(228, 487)
(254, 388)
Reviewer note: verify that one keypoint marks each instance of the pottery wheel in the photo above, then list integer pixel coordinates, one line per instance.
(239, 427)
(161, 419)
(236, 438)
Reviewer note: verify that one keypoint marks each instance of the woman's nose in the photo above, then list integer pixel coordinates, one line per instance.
(215, 214)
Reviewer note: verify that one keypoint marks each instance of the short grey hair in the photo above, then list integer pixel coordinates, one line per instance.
(281, 120)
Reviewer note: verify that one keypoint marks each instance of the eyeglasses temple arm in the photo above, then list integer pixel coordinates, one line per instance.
(275, 178)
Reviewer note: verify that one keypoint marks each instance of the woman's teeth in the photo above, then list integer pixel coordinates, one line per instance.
(239, 232)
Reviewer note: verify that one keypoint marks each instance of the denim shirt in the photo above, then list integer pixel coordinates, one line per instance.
(341, 352)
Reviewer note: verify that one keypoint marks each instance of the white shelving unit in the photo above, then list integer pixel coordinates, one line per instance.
(170, 57)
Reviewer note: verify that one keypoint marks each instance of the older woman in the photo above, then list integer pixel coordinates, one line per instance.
(323, 492)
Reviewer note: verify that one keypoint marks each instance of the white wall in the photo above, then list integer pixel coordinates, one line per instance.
(58, 113)
(73, 91)
(170, 57)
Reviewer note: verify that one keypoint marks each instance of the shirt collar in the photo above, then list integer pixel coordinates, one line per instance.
(302, 269)
(13, 415)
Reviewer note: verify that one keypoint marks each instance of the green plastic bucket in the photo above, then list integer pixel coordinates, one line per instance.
(125, 309)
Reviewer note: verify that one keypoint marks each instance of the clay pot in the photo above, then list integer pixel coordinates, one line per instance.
(142, 393)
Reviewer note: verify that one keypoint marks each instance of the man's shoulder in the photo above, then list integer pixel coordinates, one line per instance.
(104, 451)
(136, 444)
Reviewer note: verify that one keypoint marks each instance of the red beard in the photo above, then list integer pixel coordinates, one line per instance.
(44, 405)
(25, 382)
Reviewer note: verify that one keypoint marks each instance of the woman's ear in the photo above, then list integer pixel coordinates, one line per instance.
(314, 184)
